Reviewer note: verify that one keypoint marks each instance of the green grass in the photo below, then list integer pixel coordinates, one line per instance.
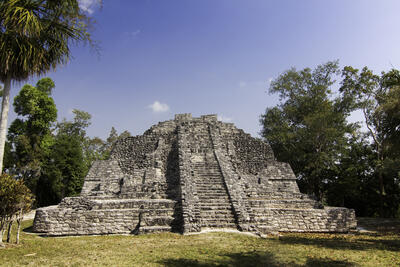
(212, 249)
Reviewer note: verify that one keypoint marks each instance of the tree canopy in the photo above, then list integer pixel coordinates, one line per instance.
(308, 128)
(35, 37)
(332, 158)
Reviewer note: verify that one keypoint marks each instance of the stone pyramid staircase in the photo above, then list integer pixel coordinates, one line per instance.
(215, 207)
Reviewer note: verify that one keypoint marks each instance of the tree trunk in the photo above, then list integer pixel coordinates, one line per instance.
(10, 223)
(381, 184)
(381, 200)
(5, 106)
(1, 234)
(20, 217)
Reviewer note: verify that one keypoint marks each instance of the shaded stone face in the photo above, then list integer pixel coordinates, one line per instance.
(187, 175)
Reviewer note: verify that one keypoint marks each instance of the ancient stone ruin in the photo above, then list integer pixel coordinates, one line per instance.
(188, 175)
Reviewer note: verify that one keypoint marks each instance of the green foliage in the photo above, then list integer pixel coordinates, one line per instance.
(14, 197)
(76, 127)
(378, 97)
(35, 36)
(354, 186)
(37, 106)
(29, 135)
(66, 163)
(63, 170)
(331, 157)
(308, 128)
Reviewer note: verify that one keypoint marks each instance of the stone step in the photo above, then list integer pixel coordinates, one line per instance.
(260, 206)
(215, 188)
(211, 190)
(214, 203)
(211, 196)
(207, 184)
(217, 216)
(154, 229)
(210, 184)
(157, 220)
(207, 172)
(208, 175)
(223, 210)
(209, 179)
(134, 204)
(215, 208)
(205, 177)
(218, 225)
(220, 200)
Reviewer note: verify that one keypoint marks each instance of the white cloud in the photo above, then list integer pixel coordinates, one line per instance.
(254, 84)
(224, 118)
(159, 107)
(134, 33)
(88, 5)
(131, 34)
(242, 84)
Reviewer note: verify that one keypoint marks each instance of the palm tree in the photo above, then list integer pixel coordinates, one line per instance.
(35, 37)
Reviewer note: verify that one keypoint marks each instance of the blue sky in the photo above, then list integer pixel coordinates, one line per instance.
(163, 57)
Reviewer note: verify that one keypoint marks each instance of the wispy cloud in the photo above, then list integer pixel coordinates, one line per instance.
(242, 84)
(132, 34)
(252, 84)
(89, 5)
(224, 118)
(159, 107)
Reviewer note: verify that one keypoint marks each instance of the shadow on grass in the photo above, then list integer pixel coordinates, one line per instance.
(327, 262)
(337, 243)
(250, 259)
(28, 229)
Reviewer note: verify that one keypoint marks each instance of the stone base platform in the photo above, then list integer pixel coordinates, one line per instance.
(327, 219)
(91, 216)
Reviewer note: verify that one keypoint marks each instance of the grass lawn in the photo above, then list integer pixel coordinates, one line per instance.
(211, 249)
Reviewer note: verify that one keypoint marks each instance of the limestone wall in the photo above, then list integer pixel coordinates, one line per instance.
(81, 216)
(305, 220)
(104, 179)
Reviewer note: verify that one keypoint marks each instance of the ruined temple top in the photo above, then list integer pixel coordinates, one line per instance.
(188, 117)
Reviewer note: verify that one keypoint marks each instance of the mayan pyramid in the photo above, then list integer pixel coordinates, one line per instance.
(188, 175)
